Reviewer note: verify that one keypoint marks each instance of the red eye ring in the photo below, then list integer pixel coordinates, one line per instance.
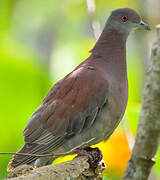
(124, 18)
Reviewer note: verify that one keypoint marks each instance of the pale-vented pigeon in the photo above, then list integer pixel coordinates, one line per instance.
(84, 107)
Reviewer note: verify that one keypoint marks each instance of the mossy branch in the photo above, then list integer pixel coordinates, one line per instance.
(148, 134)
(77, 169)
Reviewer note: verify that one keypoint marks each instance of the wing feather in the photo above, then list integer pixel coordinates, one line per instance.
(71, 106)
(74, 107)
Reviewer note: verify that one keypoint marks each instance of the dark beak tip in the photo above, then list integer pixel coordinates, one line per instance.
(145, 26)
(148, 27)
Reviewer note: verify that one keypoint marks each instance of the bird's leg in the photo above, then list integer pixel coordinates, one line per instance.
(99, 152)
(83, 152)
(94, 155)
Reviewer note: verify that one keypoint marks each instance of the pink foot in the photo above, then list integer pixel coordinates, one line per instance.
(83, 152)
(94, 155)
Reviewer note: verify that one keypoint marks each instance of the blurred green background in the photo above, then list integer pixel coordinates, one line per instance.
(40, 42)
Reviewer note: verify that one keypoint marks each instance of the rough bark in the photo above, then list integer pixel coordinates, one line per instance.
(76, 169)
(148, 134)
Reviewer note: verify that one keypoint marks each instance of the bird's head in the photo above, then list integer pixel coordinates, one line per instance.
(124, 20)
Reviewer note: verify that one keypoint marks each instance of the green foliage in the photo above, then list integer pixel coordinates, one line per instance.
(22, 88)
(105, 178)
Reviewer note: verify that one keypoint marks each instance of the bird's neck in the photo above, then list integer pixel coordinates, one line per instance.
(110, 40)
(111, 48)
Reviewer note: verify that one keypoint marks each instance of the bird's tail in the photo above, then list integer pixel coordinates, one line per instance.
(19, 159)
(32, 152)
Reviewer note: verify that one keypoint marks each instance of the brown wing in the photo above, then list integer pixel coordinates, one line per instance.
(70, 106)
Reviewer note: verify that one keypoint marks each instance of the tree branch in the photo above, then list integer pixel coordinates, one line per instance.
(148, 134)
(76, 169)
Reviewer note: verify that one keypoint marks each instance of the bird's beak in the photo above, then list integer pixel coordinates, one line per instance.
(144, 26)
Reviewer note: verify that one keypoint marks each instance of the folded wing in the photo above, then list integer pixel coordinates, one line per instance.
(71, 106)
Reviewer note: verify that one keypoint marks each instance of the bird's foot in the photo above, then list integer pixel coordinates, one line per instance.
(94, 155)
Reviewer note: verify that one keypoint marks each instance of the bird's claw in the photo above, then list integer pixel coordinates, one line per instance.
(94, 155)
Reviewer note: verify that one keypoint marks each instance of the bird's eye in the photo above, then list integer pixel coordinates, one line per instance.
(124, 18)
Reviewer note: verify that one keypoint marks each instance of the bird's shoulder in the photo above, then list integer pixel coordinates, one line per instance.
(86, 78)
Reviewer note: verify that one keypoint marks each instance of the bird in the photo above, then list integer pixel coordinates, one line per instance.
(86, 106)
